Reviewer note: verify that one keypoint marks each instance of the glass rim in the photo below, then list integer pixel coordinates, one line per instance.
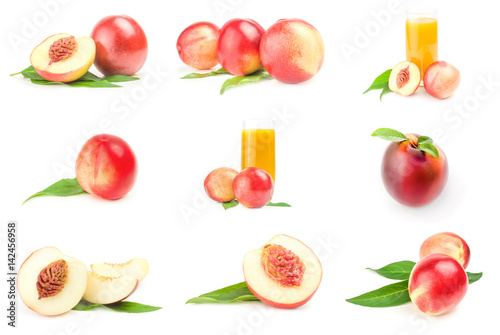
(258, 123)
(421, 11)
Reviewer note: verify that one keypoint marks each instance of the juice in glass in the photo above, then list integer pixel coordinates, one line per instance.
(421, 39)
(257, 145)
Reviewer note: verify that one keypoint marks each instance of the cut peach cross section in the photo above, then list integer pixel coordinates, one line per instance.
(51, 283)
(63, 58)
(283, 273)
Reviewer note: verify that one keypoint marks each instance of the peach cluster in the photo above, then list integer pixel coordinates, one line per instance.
(291, 50)
(438, 282)
(51, 283)
(253, 187)
(441, 79)
(117, 46)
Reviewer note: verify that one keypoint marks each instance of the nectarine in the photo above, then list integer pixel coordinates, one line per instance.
(219, 184)
(106, 167)
(197, 45)
(292, 51)
(253, 187)
(441, 79)
(449, 244)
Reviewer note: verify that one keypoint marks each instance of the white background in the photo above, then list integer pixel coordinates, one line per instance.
(328, 167)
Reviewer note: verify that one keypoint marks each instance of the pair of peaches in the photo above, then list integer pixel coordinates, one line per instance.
(440, 79)
(117, 46)
(291, 50)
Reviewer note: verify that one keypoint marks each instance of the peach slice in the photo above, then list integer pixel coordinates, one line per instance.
(108, 290)
(404, 78)
(283, 273)
(63, 58)
(136, 268)
(51, 283)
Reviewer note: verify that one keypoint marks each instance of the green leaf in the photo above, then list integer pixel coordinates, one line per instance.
(122, 307)
(233, 293)
(241, 80)
(278, 204)
(397, 270)
(62, 188)
(380, 82)
(29, 73)
(87, 80)
(474, 277)
(85, 306)
(92, 84)
(230, 204)
(119, 78)
(385, 90)
(424, 139)
(130, 307)
(429, 148)
(390, 135)
(204, 75)
(388, 296)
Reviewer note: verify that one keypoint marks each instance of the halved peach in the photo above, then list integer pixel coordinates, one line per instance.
(108, 290)
(51, 283)
(63, 57)
(135, 268)
(404, 78)
(283, 273)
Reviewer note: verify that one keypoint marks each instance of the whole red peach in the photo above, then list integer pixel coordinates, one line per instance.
(106, 167)
(253, 187)
(437, 284)
(292, 51)
(197, 45)
(411, 176)
(238, 46)
(219, 184)
(449, 244)
(121, 45)
(441, 79)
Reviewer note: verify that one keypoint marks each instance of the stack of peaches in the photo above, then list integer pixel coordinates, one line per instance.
(291, 50)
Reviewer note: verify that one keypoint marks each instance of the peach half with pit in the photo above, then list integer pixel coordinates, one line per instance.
(63, 57)
(108, 290)
(449, 244)
(51, 283)
(404, 78)
(284, 273)
(136, 268)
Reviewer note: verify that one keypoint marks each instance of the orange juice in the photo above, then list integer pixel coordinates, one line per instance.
(422, 42)
(257, 149)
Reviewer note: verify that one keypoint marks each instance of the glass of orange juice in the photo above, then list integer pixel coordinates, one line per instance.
(421, 38)
(257, 145)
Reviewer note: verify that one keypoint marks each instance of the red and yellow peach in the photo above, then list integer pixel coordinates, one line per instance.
(412, 176)
(292, 51)
(437, 284)
(253, 187)
(197, 45)
(441, 79)
(238, 46)
(219, 184)
(106, 167)
(449, 244)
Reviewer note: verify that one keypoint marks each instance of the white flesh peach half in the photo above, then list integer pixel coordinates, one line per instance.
(51, 283)
(284, 273)
(107, 290)
(135, 268)
(404, 78)
(63, 58)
